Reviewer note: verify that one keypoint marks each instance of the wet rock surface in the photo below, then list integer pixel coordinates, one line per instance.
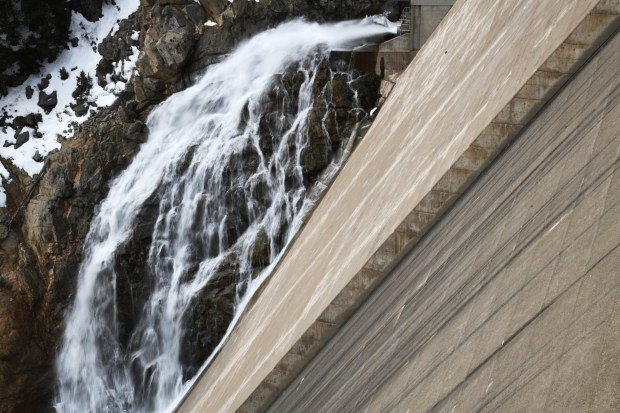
(240, 20)
(332, 124)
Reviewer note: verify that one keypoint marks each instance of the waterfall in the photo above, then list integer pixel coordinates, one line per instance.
(212, 200)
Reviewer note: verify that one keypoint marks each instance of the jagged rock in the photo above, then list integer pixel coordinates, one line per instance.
(90, 9)
(45, 82)
(209, 316)
(148, 90)
(367, 87)
(167, 46)
(214, 8)
(80, 109)
(19, 122)
(132, 270)
(47, 102)
(316, 154)
(5, 220)
(29, 92)
(37, 157)
(342, 92)
(32, 119)
(21, 139)
(137, 132)
(117, 46)
(22, 338)
(240, 20)
(75, 41)
(260, 251)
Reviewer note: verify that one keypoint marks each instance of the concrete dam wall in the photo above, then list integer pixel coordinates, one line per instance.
(512, 302)
(475, 315)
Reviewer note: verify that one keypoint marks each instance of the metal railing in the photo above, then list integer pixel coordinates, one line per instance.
(405, 20)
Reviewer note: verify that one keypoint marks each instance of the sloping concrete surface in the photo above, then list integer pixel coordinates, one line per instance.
(479, 58)
(563, 63)
(512, 302)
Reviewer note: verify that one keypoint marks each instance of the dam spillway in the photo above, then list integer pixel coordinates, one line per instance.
(510, 303)
(346, 228)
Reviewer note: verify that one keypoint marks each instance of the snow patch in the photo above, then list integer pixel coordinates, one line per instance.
(60, 121)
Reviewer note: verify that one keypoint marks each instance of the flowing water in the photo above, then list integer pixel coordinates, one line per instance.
(210, 204)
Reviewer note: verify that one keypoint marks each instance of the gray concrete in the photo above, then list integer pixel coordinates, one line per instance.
(425, 16)
(425, 21)
(551, 77)
(512, 301)
(426, 125)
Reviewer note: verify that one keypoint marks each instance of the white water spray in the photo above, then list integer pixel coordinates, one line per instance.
(192, 165)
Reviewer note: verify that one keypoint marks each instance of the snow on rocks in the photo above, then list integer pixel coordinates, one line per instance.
(50, 97)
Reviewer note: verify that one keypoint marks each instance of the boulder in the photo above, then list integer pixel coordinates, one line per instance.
(21, 139)
(19, 122)
(80, 109)
(168, 43)
(47, 102)
(37, 157)
(45, 82)
(90, 9)
(33, 119)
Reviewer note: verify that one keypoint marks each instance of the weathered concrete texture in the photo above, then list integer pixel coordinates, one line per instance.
(425, 21)
(552, 75)
(422, 130)
(512, 302)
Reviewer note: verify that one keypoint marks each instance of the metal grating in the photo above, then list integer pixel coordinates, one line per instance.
(405, 20)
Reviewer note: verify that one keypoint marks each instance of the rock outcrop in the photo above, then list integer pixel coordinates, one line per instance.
(43, 228)
(167, 46)
(332, 126)
(42, 232)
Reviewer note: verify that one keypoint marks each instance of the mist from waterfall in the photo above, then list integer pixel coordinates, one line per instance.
(192, 168)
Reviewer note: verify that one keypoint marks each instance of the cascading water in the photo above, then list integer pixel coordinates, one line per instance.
(213, 203)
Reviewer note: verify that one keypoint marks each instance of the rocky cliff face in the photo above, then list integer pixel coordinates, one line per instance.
(47, 217)
(43, 230)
